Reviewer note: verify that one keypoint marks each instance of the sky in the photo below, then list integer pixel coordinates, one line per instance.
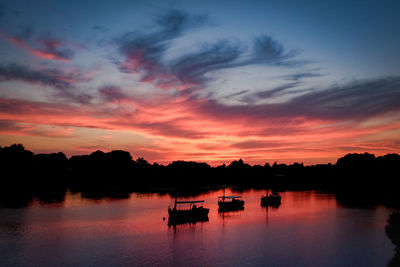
(213, 81)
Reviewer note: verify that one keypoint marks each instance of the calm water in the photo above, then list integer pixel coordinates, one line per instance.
(308, 229)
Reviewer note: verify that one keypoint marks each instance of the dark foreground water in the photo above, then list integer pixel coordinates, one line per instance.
(308, 229)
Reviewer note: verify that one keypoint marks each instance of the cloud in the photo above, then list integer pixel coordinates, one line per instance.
(94, 117)
(300, 128)
(191, 68)
(357, 100)
(291, 85)
(112, 93)
(174, 22)
(144, 53)
(145, 50)
(22, 73)
(237, 93)
(192, 118)
(46, 48)
(7, 125)
(25, 107)
(252, 98)
(302, 75)
(52, 50)
(74, 97)
(169, 128)
(101, 29)
(62, 82)
(18, 128)
(190, 124)
(259, 144)
(269, 51)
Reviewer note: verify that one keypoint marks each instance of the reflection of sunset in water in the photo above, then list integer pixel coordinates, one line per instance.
(309, 228)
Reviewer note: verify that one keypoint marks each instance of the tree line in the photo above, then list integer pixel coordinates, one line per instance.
(355, 178)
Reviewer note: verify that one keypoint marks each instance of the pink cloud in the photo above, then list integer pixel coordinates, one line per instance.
(189, 135)
(49, 49)
(47, 55)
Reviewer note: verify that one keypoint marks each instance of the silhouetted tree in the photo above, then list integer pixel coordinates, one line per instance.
(356, 178)
(392, 230)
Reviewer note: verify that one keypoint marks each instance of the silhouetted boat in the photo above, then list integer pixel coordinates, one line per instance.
(271, 200)
(230, 203)
(192, 214)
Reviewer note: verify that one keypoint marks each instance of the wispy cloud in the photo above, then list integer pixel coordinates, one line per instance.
(17, 128)
(191, 68)
(52, 50)
(268, 51)
(101, 29)
(47, 48)
(197, 118)
(144, 53)
(306, 124)
(8, 125)
(253, 98)
(192, 103)
(356, 100)
(303, 75)
(55, 78)
(144, 50)
(112, 93)
(22, 73)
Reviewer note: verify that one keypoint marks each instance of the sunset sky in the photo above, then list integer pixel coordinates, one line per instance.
(214, 81)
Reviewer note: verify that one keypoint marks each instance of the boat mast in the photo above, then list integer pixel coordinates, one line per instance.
(176, 198)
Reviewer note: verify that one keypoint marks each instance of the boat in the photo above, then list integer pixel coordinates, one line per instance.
(193, 214)
(230, 203)
(271, 200)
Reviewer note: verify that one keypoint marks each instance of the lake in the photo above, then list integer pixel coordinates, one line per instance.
(307, 229)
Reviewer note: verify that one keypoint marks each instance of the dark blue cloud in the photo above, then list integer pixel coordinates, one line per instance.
(101, 29)
(174, 22)
(353, 101)
(252, 98)
(17, 72)
(112, 93)
(51, 77)
(145, 51)
(44, 47)
(54, 48)
(268, 51)
(192, 67)
(148, 48)
(303, 75)
(237, 94)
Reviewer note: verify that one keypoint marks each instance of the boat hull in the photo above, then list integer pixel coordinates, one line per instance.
(187, 216)
(270, 201)
(230, 205)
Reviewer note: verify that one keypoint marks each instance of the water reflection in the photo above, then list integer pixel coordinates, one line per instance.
(232, 213)
(392, 230)
(307, 229)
